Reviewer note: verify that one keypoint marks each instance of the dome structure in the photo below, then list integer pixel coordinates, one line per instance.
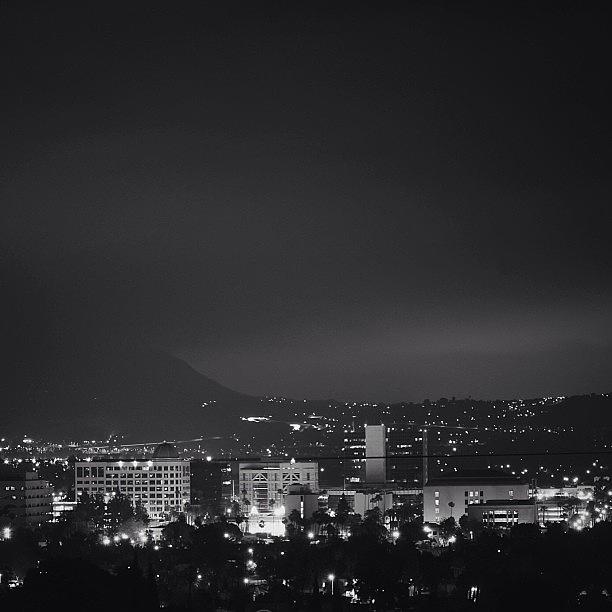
(166, 451)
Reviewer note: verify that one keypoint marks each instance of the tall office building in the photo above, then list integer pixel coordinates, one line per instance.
(376, 454)
(353, 450)
(160, 484)
(405, 455)
(211, 486)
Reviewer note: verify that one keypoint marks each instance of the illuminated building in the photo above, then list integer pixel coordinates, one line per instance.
(452, 496)
(160, 484)
(263, 487)
(504, 513)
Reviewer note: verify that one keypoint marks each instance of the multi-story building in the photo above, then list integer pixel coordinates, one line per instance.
(452, 496)
(211, 486)
(354, 451)
(375, 454)
(160, 484)
(25, 498)
(405, 455)
(264, 484)
(61, 507)
(560, 508)
(263, 487)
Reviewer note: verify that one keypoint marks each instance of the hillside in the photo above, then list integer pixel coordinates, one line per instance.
(119, 388)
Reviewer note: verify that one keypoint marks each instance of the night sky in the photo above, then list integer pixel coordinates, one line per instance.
(354, 203)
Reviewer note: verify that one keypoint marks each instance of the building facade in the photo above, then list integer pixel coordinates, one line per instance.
(359, 500)
(25, 499)
(504, 513)
(211, 486)
(451, 497)
(301, 499)
(379, 454)
(160, 484)
(376, 454)
(264, 484)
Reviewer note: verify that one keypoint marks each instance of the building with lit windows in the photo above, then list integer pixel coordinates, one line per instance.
(452, 496)
(263, 486)
(504, 513)
(160, 484)
(25, 499)
(379, 454)
(354, 451)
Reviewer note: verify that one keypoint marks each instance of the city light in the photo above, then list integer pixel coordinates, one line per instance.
(331, 578)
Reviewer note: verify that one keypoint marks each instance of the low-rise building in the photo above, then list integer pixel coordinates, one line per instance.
(452, 496)
(359, 500)
(301, 499)
(504, 513)
(560, 508)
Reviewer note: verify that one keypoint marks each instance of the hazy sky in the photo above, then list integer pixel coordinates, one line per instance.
(355, 203)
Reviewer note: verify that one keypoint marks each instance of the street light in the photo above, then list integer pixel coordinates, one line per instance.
(331, 578)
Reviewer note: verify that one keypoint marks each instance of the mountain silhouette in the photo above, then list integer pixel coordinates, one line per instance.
(102, 388)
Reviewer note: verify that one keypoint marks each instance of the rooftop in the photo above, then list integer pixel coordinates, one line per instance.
(473, 477)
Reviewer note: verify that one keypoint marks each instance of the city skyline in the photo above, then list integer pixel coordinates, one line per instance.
(305, 307)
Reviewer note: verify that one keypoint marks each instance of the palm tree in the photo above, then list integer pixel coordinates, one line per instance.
(451, 505)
